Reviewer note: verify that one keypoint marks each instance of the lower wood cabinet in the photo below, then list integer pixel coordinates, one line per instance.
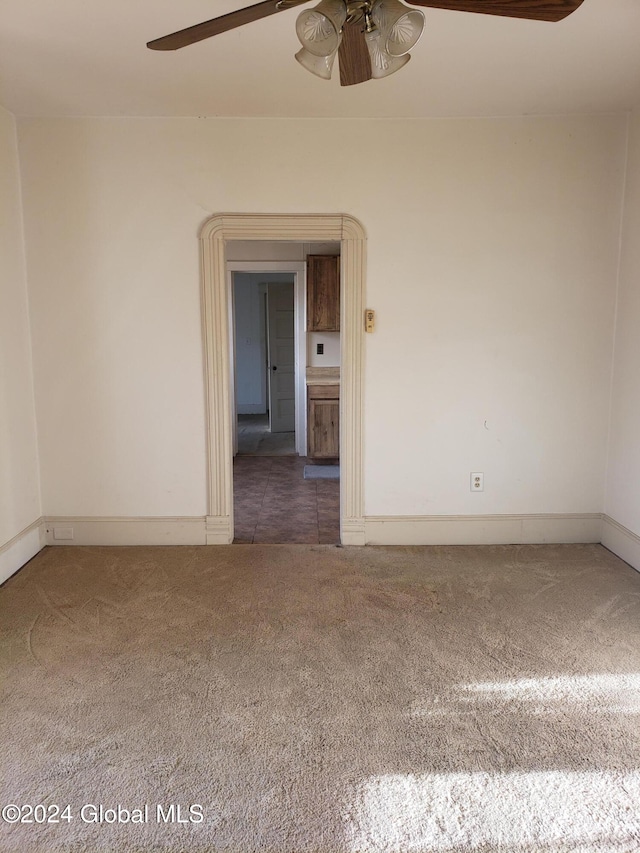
(323, 423)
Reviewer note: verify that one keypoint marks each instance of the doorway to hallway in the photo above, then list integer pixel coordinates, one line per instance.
(273, 501)
(221, 236)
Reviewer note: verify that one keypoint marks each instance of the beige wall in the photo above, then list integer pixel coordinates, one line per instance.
(623, 482)
(19, 486)
(492, 262)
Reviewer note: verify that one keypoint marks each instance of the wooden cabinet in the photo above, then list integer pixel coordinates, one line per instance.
(323, 424)
(323, 293)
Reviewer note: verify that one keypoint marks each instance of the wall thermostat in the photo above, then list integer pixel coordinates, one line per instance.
(369, 320)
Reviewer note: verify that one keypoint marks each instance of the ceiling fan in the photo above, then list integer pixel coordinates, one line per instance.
(371, 38)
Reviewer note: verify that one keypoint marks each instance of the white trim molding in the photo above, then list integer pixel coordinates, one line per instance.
(21, 548)
(305, 228)
(125, 530)
(621, 541)
(483, 529)
(566, 528)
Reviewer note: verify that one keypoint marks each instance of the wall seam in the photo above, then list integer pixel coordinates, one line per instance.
(6, 546)
(614, 344)
(25, 263)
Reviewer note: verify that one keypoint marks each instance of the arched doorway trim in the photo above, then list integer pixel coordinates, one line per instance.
(306, 228)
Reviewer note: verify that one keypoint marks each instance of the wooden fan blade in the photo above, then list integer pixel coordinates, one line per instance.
(220, 25)
(353, 55)
(535, 10)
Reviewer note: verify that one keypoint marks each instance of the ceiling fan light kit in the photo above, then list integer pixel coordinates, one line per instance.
(371, 38)
(321, 66)
(390, 30)
(382, 63)
(400, 25)
(320, 29)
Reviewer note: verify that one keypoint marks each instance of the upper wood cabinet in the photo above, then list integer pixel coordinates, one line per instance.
(323, 293)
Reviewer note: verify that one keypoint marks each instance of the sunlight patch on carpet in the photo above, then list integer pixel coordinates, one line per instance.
(547, 810)
(605, 693)
(596, 693)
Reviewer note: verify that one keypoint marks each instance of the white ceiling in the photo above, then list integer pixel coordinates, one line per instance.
(88, 57)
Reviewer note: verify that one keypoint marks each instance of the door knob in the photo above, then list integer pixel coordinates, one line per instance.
(274, 367)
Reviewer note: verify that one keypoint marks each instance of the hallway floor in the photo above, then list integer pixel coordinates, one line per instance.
(255, 438)
(274, 504)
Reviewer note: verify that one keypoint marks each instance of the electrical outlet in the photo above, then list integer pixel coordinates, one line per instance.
(477, 481)
(319, 349)
(63, 532)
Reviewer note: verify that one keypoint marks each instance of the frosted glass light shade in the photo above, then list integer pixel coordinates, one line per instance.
(400, 26)
(321, 66)
(319, 28)
(382, 63)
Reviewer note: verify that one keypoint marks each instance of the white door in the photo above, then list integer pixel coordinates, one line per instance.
(282, 366)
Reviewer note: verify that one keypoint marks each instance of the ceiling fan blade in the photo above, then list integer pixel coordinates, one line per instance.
(198, 32)
(353, 55)
(535, 10)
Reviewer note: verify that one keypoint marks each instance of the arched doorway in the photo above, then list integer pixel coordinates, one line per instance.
(215, 233)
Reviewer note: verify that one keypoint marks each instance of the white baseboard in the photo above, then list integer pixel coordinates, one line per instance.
(353, 532)
(219, 530)
(78, 530)
(621, 541)
(483, 529)
(372, 530)
(19, 550)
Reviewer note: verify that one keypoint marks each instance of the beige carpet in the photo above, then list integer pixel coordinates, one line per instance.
(314, 699)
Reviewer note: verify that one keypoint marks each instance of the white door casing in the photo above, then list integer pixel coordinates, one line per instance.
(305, 228)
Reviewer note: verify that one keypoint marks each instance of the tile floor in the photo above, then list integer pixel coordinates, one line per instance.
(254, 438)
(273, 503)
